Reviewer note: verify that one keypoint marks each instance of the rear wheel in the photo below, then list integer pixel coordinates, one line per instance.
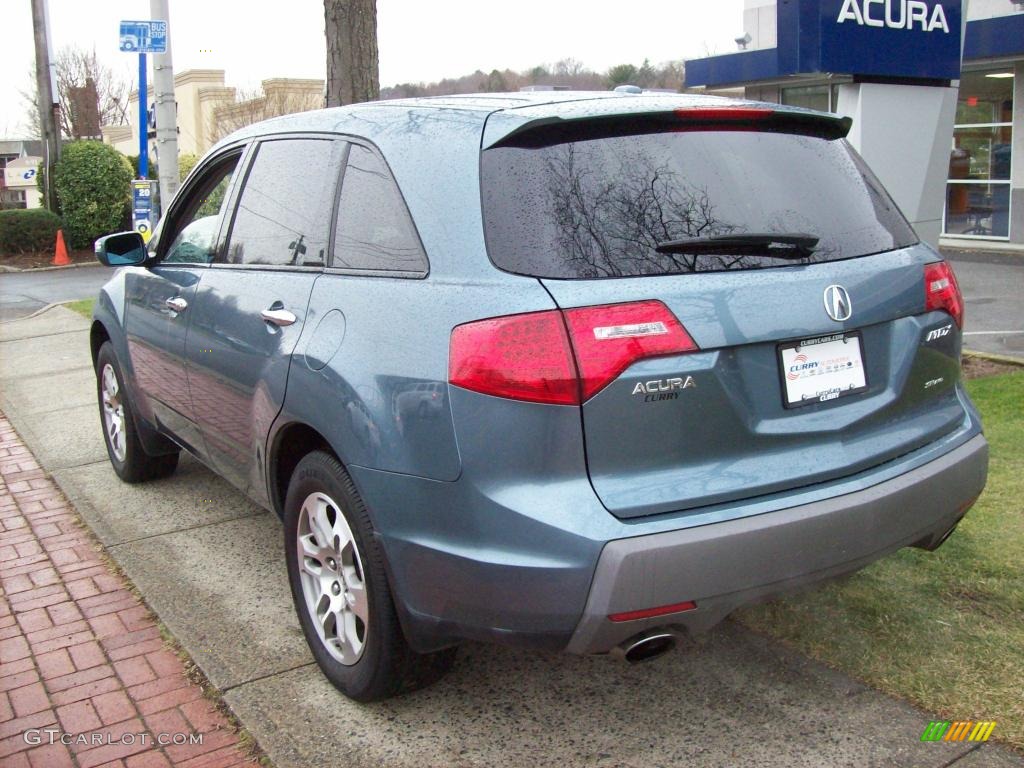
(341, 592)
(127, 456)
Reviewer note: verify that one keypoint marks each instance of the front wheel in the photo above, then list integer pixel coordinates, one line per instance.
(340, 589)
(124, 448)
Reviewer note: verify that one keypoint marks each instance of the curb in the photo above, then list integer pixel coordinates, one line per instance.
(5, 268)
(1007, 359)
(1009, 256)
(38, 312)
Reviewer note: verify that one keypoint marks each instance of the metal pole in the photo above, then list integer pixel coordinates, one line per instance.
(45, 96)
(143, 120)
(166, 111)
(54, 90)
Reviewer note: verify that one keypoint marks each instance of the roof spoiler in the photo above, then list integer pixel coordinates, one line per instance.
(760, 118)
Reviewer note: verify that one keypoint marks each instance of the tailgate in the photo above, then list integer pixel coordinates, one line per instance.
(714, 426)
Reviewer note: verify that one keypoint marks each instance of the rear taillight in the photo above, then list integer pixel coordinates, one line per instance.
(531, 357)
(610, 338)
(941, 291)
(522, 357)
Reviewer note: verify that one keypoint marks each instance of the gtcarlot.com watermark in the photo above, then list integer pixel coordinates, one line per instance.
(37, 736)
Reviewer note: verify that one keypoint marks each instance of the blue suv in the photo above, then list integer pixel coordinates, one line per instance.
(577, 371)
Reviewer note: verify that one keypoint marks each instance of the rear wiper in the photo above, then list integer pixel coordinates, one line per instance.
(779, 245)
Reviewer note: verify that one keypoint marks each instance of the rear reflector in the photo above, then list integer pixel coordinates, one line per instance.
(532, 357)
(942, 292)
(608, 339)
(650, 613)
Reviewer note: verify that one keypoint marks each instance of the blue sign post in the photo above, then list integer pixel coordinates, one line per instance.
(143, 119)
(143, 37)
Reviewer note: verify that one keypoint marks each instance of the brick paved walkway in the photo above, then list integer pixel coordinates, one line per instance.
(79, 655)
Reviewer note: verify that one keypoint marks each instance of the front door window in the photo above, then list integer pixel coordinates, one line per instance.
(197, 225)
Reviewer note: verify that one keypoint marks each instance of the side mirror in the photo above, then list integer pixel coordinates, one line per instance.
(123, 249)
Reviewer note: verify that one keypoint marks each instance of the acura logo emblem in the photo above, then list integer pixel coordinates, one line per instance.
(838, 304)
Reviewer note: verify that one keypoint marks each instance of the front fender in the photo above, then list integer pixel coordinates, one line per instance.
(109, 324)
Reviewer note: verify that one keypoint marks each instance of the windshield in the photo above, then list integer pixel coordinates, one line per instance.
(601, 207)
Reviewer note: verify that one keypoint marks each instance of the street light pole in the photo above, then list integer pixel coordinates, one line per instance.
(166, 111)
(47, 98)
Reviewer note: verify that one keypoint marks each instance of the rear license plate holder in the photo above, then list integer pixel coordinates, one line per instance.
(822, 369)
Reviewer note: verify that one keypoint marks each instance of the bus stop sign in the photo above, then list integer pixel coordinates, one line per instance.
(143, 36)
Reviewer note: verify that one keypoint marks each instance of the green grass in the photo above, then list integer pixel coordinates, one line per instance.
(944, 630)
(82, 307)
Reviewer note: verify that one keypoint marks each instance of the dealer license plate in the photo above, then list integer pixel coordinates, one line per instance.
(822, 369)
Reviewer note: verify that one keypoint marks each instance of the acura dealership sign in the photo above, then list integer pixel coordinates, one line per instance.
(895, 14)
(899, 39)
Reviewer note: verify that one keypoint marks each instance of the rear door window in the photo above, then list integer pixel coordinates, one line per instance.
(601, 206)
(375, 232)
(283, 217)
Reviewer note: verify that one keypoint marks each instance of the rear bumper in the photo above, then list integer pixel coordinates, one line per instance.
(725, 565)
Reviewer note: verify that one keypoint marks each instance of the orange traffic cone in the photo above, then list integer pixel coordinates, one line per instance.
(60, 257)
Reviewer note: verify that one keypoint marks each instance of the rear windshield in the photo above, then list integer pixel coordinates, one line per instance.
(600, 207)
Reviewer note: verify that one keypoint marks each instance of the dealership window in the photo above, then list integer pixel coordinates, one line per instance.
(978, 190)
(824, 98)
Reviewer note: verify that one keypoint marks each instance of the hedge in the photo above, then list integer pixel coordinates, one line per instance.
(32, 230)
(93, 183)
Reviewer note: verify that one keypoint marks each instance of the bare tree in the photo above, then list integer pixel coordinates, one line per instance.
(568, 67)
(91, 94)
(352, 67)
(277, 97)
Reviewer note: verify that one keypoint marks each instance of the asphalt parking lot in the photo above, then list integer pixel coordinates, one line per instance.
(210, 564)
(993, 288)
(22, 293)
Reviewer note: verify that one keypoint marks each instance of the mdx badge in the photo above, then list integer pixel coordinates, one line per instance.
(838, 304)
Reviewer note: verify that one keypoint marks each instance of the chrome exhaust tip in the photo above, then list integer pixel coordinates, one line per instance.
(646, 646)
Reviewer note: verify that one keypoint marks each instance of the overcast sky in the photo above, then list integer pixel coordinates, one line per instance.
(419, 41)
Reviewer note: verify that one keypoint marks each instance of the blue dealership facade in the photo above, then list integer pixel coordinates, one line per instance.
(935, 87)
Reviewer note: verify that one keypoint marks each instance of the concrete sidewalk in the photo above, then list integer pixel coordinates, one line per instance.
(210, 564)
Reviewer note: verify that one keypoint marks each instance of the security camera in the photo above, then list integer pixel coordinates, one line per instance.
(743, 41)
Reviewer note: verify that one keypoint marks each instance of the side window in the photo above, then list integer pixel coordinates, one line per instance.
(197, 224)
(375, 231)
(284, 211)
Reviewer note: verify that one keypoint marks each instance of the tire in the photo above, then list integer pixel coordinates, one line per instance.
(129, 459)
(341, 591)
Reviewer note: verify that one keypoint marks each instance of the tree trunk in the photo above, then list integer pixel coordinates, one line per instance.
(352, 74)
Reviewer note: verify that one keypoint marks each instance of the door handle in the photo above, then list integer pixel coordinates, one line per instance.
(178, 304)
(278, 316)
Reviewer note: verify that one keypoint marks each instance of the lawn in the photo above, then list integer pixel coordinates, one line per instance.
(944, 630)
(82, 307)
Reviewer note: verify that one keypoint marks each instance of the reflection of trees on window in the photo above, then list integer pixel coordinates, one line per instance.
(610, 220)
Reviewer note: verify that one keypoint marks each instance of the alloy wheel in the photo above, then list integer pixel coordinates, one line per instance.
(113, 412)
(331, 572)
